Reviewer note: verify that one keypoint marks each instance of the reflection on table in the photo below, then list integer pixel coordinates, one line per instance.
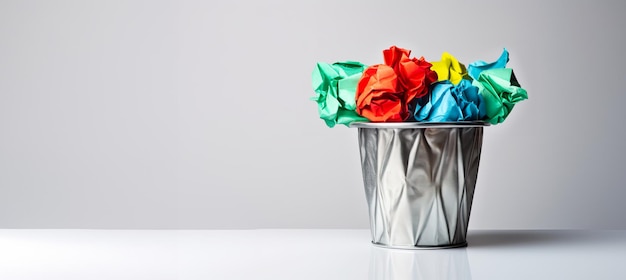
(394, 264)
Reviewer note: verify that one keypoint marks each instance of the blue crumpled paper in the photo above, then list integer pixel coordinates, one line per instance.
(474, 68)
(450, 103)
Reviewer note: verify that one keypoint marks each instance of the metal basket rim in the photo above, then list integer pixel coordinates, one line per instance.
(419, 124)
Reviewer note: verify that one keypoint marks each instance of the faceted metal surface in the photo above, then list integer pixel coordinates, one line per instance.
(419, 184)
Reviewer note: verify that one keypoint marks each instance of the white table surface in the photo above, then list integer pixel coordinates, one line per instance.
(304, 254)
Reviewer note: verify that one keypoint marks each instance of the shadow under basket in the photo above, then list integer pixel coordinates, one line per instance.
(419, 181)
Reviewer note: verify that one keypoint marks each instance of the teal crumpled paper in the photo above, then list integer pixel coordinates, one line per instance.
(335, 88)
(474, 68)
(500, 92)
(450, 103)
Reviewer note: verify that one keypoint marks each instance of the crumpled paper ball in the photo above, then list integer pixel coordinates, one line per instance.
(450, 103)
(414, 75)
(449, 68)
(476, 67)
(377, 97)
(386, 90)
(335, 88)
(500, 92)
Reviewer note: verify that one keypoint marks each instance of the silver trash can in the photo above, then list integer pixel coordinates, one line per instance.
(419, 181)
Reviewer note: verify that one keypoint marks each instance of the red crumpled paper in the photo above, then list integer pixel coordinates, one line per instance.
(386, 90)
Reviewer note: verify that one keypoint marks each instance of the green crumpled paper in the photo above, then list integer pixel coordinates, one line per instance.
(500, 91)
(335, 88)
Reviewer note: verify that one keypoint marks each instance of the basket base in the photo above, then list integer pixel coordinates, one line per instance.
(458, 245)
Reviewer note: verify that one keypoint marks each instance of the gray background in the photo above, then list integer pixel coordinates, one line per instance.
(181, 114)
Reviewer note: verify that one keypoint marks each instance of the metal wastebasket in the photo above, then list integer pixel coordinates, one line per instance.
(419, 181)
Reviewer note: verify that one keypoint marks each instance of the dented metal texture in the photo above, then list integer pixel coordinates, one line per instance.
(419, 183)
